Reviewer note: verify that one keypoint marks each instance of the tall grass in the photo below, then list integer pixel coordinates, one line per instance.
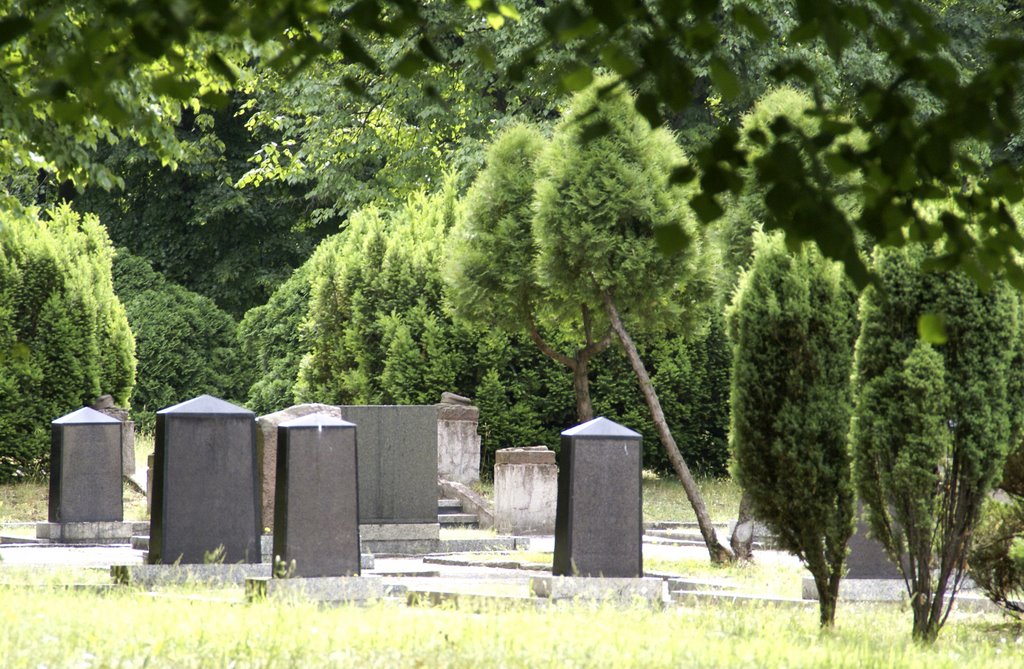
(63, 629)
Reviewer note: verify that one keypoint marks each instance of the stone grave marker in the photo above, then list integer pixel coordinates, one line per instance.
(397, 463)
(316, 515)
(85, 468)
(266, 450)
(205, 493)
(525, 490)
(598, 522)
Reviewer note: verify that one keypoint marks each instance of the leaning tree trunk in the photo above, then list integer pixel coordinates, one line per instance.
(742, 539)
(717, 551)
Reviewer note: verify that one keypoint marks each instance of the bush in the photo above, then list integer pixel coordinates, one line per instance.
(792, 324)
(64, 337)
(933, 424)
(993, 565)
(186, 345)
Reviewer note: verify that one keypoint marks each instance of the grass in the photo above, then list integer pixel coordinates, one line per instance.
(664, 498)
(55, 628)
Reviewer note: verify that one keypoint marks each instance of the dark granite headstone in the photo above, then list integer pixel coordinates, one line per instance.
(599, 515)
(316, 503)
(397, 463)
(867, 558)
(85, 468)
(205, 493)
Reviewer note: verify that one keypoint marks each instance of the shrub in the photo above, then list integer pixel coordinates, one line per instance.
(64, 337)
(186, 345)
(932, 424)
(792, 324)
(993, 564)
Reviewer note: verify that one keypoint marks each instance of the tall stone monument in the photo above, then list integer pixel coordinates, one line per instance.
(316, 516)
(205, 494)
(458, 443)
(85, 468)
(599, 517)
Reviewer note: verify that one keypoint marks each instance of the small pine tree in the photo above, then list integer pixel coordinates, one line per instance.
(792, 325)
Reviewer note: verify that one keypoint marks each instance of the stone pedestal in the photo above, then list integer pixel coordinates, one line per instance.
(85, 468)
(266, 449)
(525, 490)
(316, 515)
(599, 518)
(205, 494)
(458, 444)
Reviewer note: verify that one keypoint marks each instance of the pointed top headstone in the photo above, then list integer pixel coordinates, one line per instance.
(86, 416)
(205, 404)
(317, 420)
(601, 428)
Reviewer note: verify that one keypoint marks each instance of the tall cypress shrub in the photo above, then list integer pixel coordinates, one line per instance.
(64, 336)
(792, 324)
(932, 424)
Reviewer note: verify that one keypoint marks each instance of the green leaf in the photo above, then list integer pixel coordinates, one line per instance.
(727, 83)
(706, 208)
(682, 174)
(931, 328)
(409, 64)
(671, 239)
(173, 87)
(14, 27)
(223, 67)
(578, 79)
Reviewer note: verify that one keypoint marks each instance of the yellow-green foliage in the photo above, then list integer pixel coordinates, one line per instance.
(60, 629)
(64, 337)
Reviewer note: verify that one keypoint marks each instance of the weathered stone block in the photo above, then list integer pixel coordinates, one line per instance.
(525, 490)
(266, 450)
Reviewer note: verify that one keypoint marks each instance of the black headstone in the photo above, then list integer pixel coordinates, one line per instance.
(205, 494)
(397, 463)
(316, 501)
(599, 514)
(85, 468)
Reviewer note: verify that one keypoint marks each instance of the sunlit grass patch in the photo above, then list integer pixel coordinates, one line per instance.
(664, 498)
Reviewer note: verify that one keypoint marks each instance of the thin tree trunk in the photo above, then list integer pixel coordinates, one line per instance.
(581, 386)
(828, 598)
(742, 539)
(716, 550)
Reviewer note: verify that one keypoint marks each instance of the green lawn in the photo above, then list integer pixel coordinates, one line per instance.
(54, 628)
(664, 498)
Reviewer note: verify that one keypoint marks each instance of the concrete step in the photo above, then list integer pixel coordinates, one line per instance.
(461, 519)
(449, 506)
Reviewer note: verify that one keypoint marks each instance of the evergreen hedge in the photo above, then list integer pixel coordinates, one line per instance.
(64, 336)
(186, 345)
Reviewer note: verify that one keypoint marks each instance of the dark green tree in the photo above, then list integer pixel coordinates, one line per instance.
(186, 345)
(792, 324)
(932, 424)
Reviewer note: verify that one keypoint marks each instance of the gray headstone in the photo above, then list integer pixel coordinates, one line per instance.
(316, 514)
(867, 559)
(397, 463)
(599, 515)
(205, 493)
(85, 468)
